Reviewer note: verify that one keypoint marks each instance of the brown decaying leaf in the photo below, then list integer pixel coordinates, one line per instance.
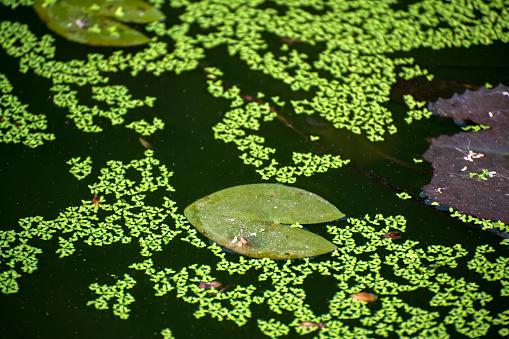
(488, 107)
(207, 285)
(145, 143)
(364, 296)
(392, 235)
(457, 160)
(95, 200)
(454, 158)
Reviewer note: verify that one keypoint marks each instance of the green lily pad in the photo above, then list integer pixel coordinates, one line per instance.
(248, 219)
(94, 22)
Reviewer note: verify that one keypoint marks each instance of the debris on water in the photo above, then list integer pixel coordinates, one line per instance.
(392, 235)
(207, 285)
(145, 143)
(95, 200)
(364, 296)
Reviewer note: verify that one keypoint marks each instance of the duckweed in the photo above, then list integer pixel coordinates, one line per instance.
(347, 84)
(483, 223)
(404, 195)
(364, 261)
(16, 123)
(145, 128)
(117, 291)
(484, 175)
(80, 169)
(166, 333)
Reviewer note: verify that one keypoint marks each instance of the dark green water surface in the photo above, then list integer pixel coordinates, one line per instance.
(51, 302)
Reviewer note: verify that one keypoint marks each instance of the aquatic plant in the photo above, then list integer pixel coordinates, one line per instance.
(96, 23)
(365, 260)
(249, 219)
(470, 168)
(16, 123)
(334, 60)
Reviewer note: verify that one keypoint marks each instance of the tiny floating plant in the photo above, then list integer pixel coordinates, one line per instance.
(254, 220)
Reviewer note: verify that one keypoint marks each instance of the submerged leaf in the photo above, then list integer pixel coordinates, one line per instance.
(248, 219)
(94, 22)
(471, 170)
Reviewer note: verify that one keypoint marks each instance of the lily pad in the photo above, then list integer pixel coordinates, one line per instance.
(471, 170)
(486, 106)
(249, 219)
(94, 22)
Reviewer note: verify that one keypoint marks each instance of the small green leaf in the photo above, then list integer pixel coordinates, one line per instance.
(248, 219)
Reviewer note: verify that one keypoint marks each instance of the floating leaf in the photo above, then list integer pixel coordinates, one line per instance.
(455, 158)
(212, 284)
(392, 235)
(94, 22)
(471, 170)
(145, 143)
(248, 219)
(488, 107)
(364, 296)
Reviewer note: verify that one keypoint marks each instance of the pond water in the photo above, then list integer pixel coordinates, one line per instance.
(432, 282)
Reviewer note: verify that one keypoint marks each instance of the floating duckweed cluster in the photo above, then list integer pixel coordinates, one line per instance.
(273, 328)
(117, 291)
(365, 260)
(347, 83)
(416, 114)
(484, 175)
(37, 55)
(16, 253)
(16, 123)
(279, 301)
(404, 195)
(483, 223)
(475, 128)
(116, 96)
(413, 269)
(127, 217)
(15, 3)
(359, 72)
(144, 128)
(80, 169)
(167, 334)
(241, 119)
